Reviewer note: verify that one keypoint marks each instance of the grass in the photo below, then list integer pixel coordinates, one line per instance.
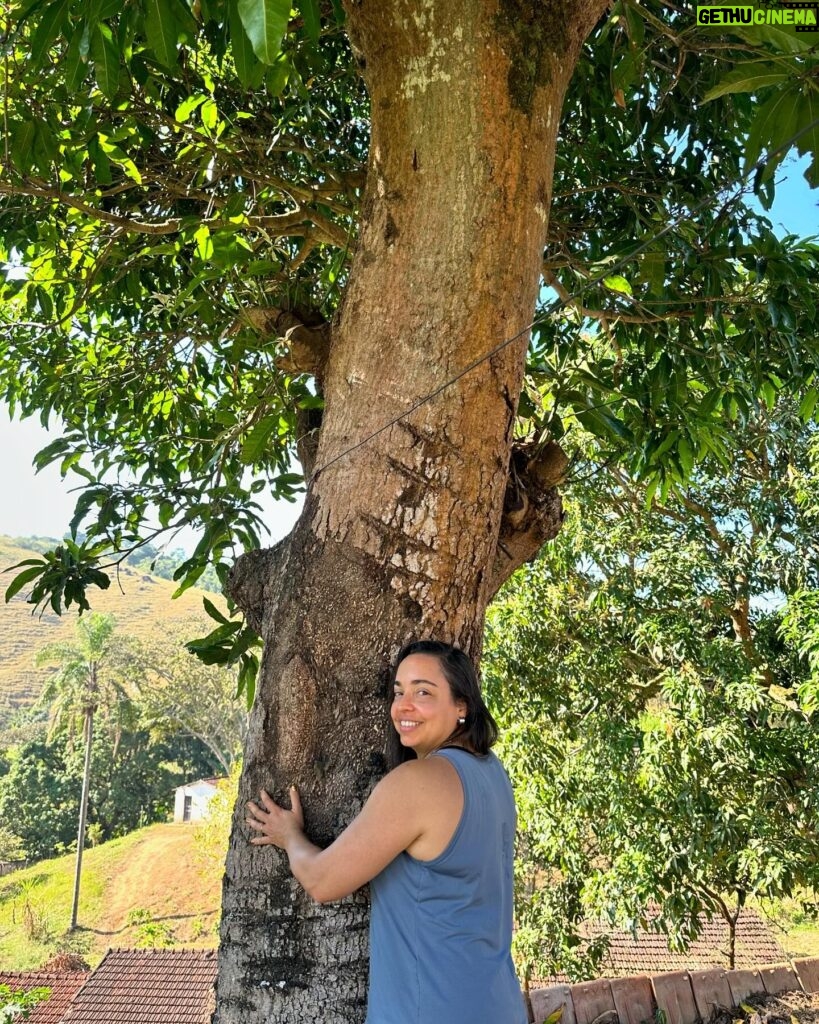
(140, 603)
(146, 888)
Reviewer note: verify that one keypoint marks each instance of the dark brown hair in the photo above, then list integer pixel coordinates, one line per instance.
(480, 730)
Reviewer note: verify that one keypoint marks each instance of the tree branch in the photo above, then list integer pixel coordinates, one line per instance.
(294, 223)
(532, 511)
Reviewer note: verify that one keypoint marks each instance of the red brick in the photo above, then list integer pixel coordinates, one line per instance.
(807, 968)
(633, 999)
(591, 999)
(744, 984)
(779, 978)
(546, 1000)
(711, 992)
(674, 996)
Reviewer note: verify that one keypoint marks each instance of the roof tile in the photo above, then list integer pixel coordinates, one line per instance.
(148, 986)
(63, 985)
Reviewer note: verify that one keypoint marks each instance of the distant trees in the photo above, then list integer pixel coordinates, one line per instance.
(656, 712)
(160, 718)
(179, 695)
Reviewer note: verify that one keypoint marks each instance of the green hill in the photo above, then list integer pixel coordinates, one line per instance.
(140, 602)
(147, 888)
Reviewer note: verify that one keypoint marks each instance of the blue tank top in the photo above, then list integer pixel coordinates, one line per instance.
(441, 930)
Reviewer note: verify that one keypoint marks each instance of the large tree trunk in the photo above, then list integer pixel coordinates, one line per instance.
(398, 538)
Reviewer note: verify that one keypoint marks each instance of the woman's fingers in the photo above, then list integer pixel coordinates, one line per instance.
(295, 804)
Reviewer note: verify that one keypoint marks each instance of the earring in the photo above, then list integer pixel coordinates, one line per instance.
(461, 721)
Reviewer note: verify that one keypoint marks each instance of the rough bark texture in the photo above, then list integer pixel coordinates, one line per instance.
(398, 538)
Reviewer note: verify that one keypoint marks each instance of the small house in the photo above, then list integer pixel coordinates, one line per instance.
(192, 800)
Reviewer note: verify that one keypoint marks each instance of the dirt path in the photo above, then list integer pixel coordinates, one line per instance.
(160, 875)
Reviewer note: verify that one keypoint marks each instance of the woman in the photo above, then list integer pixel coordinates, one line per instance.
(435, 840)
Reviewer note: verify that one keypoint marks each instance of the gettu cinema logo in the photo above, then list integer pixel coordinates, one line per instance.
(797, 15)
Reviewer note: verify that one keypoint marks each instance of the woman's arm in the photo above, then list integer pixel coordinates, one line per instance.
(396, 814)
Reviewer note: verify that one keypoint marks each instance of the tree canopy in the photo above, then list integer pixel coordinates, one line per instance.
(180, 193)
(658, 719)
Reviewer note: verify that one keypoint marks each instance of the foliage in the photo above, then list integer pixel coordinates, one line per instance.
(178, 695)
(151, 934)
(653, 715)
(15, 1004)
(175, 177)
(84, 678)
(213, 832)
(132, 785)
(11, 845)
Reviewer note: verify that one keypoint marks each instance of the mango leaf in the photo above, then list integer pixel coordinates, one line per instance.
(249, 69)
(255, 442)
(772, 128)
(161, 31)
(617, 283)
(47, 31)
(310, 13)
(807, 117)
(36, 569)
(265, 22)
(75, 66)
(105, 55)
(746, 79)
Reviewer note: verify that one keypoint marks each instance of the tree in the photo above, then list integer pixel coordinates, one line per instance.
(132, 785)
(658, 727)
(178, 694)
(74, 692)
(183, 188)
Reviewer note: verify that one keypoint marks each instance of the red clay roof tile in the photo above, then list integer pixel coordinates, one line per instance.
(148, 986)
(63, 985)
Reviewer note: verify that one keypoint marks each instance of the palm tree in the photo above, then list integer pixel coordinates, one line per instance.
(81, 683)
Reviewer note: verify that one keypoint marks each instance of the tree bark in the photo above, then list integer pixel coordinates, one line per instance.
(398, 537)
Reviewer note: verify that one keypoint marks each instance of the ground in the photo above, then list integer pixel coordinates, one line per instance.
(787, 1008)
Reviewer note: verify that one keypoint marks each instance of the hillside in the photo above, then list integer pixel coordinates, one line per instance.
(146, 888)
(141, 604)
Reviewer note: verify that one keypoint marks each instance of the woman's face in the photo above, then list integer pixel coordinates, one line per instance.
(423, 710)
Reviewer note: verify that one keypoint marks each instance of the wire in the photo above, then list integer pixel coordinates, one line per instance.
(558, 303)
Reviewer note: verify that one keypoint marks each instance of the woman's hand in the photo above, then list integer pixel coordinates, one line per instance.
(276, 824)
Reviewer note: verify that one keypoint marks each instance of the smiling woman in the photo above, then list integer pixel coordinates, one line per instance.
(435, 841)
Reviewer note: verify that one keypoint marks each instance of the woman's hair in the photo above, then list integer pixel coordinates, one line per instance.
(480, 730)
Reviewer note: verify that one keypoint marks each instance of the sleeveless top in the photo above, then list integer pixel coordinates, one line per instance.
(441, 929)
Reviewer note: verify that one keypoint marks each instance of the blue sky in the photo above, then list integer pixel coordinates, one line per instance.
(42, 504)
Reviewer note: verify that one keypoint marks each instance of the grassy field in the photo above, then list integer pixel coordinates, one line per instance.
(140, 603)
(148, 888)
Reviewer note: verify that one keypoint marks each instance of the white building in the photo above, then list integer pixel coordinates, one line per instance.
(192, 800)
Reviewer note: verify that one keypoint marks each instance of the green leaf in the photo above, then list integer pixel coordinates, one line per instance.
(808, 404)
(265, 22)
(23, 578)
(75, 67)
(46, 33)
(105, 55)
(161, 31)
(256, 441)
(747, 79)
(204, 243)
(807, 117)
(617, 283)
(772, 127)
(312, 20)
(214, 612)
(249, 69)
